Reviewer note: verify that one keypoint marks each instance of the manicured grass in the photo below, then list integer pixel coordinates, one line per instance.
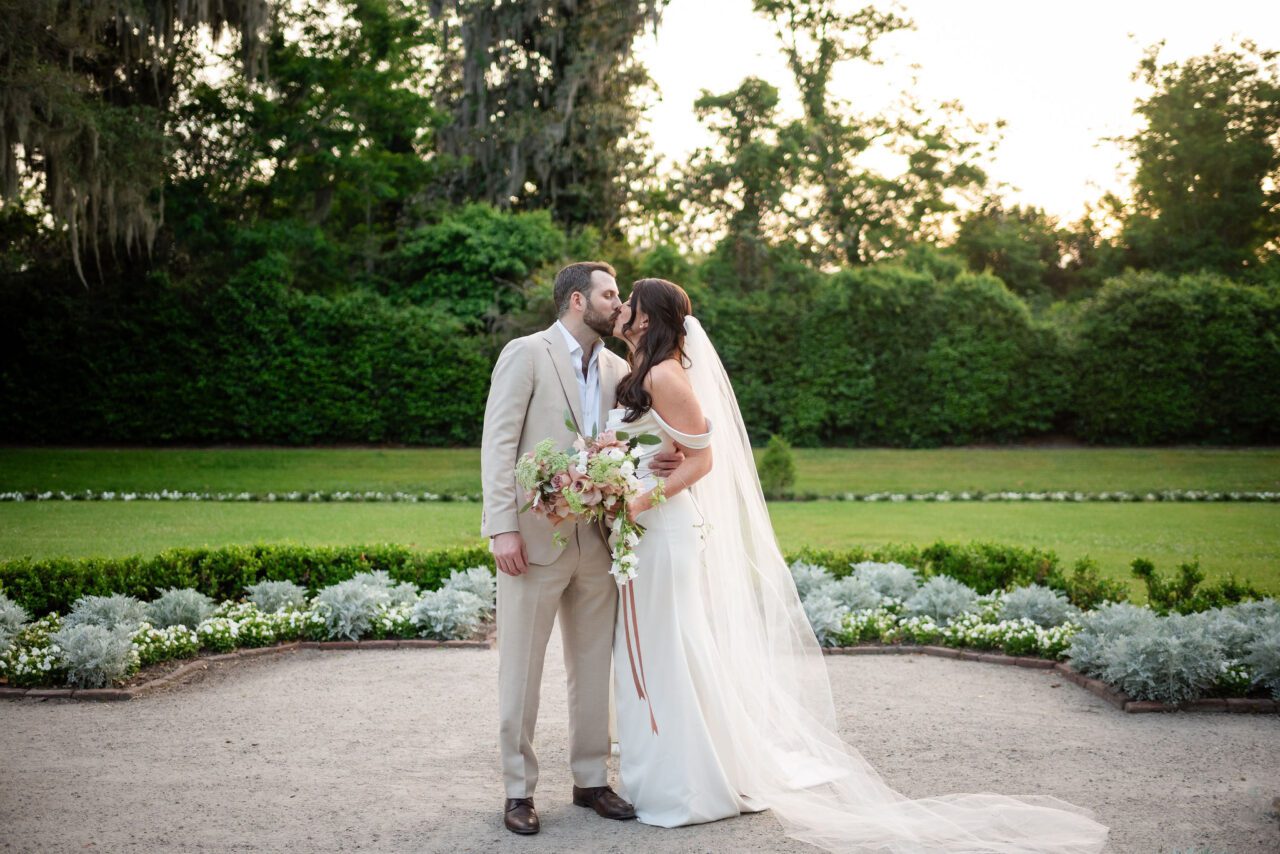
(1239, 538)
(823, 471)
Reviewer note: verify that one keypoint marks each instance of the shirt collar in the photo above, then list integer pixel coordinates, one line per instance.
(574, 346)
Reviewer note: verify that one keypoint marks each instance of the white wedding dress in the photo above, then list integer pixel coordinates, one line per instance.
(722, 697)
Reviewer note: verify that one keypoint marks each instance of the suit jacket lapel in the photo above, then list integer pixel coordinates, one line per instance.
(558, 353)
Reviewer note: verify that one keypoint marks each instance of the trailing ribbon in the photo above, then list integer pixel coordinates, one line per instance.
(637, 676)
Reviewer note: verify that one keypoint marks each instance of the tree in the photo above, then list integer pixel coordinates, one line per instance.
(1206, 193)
(1022, 246)
(85, 89)
(737, 187)
(542, 96)
(859, 214)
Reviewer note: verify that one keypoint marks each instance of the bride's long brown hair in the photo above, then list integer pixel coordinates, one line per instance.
(667, 305)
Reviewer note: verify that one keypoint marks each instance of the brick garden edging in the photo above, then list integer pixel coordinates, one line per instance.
(1097, 687)
(196, 665)
(1114, 696)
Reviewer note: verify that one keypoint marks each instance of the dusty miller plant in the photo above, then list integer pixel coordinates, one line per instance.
(826, 616)
(892, 580)
(449, 614)
(853, 593)
(1040, 605)
(942, 598)
(1262, 656)
(179, 607)
(1172, 660)
(809, 577)
(478, 580)
(272, 596)
(107, 611)
(1099, 628)
(403, 593)
(94, 655)
(12, 618)
(349, 607)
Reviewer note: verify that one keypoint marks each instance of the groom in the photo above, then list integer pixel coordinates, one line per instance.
(537, 379)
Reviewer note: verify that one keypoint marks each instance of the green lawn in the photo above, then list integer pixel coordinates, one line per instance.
(1239, 538)
(824, 471)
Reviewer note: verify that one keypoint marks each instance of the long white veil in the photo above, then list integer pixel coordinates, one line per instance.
(788, 755)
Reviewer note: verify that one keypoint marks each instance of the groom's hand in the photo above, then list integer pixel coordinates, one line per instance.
(665, 463)
(509, 553)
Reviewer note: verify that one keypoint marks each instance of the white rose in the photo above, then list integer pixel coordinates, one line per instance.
(615, 454)
(635, 452)
(627, 469)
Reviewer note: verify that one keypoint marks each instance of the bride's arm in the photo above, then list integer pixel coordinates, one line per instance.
(672, 398)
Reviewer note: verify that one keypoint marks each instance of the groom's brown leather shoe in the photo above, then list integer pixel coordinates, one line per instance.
(521, 817)
(604, 801)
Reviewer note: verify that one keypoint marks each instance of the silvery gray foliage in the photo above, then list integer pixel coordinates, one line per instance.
(271, 596)
(826, 616)
(853, 593)
(349, 607)
(1262, 655)
(478, 580)
(107, 611)
(1226, 626)
(403, 593)
(809, 577)
(1174, 659)
(449, 614)
(1100, 627)
(942, 598)
(892, 580)
(1039, 604)
(1257, 610)
(12, 616)
(179, 607)
(95, 655)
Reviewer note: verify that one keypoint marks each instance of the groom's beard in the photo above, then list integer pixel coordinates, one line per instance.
(601, 324)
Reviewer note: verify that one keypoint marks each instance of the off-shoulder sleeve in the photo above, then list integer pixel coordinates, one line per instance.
(689, 440)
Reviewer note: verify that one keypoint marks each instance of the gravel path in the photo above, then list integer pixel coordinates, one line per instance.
(394, 750)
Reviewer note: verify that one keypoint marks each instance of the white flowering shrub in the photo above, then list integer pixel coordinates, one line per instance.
(109, 612)
(890, 580)
(866, 626)
(854, 594)
(95, 656)
(32, 657)
(1099, 628)
(1172, 660)
(941, 598)
(394, 621)
(219, 634)
(163, 644)
(348, 608)
(809, 577)
(179, 607)
(922, 629)
(1040, 605)
(1262, 656)
(403, 593)
(476, 579)
(271, 596)
(253, 627)
(449, 614)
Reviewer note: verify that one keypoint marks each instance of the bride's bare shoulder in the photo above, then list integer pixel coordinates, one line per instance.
(673, 397)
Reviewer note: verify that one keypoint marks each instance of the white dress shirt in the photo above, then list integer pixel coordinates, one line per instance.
(588, 385)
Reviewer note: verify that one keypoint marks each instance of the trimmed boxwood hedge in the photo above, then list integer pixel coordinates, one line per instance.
(49, 585)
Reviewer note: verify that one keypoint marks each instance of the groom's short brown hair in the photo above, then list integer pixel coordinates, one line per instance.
(577, 277)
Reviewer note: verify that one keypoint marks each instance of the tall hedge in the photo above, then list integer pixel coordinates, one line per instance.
(1163, 359)
(253, 360)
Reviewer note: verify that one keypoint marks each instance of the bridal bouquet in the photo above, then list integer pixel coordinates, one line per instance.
(592, 482)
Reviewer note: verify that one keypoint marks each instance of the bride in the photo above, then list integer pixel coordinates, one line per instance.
(723, 700)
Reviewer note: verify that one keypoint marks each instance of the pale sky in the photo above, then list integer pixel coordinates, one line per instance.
(1057, 73)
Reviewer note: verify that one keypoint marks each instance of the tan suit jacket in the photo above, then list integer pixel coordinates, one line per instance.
(531, 389)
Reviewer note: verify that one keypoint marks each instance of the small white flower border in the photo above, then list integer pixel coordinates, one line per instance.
(372, 496)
